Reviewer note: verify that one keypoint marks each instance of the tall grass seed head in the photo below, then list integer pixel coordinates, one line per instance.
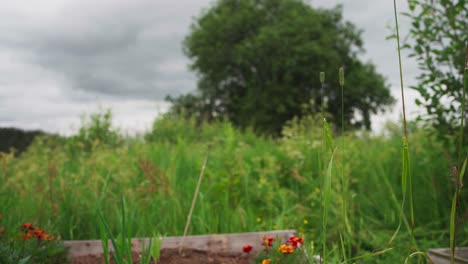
(341, 75)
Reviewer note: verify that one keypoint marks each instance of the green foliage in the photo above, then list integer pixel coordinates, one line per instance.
(277, 252)
(438, 42)
(122, 244)
(97, 130)
(266, 183)
(256, 62)
(14, 249)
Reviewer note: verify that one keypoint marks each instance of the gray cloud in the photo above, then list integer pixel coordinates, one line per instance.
(115, 49)
(60, 58)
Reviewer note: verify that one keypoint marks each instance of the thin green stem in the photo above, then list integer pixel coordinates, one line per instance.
(406, 169)
(344, 181)
(465, 85)
(405, 130)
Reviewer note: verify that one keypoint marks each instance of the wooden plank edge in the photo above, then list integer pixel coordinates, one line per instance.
(221, 243)
(442, 255)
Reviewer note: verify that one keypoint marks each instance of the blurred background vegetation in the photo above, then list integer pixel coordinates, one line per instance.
(257, 114)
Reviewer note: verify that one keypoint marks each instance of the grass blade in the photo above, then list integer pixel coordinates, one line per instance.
(126, 239)
(105, 242)
(326, 204)
(118, 255)
(453, 212)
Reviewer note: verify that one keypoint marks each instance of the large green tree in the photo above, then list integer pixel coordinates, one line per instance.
(258, 62)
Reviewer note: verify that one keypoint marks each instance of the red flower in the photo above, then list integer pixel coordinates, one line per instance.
(247, 248)
(39, 233)
(268, 241)
(295, 240)
(26, 227)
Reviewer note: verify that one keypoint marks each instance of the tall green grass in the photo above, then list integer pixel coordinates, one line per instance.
(250, 184)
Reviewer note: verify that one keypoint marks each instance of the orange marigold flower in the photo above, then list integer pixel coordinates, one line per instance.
(296, 240)
(44, 236)
(266, 261)
(26, 227)
(26, 236)
(247, 248)
(285, 249)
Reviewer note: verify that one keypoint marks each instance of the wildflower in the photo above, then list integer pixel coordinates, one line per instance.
(39, 232)
(259, 219)
(26, 236)
(266, 261)
(268, 241)
(26, 227)
(44, 236)
(285, 249)
(294, 240)
(247, 248)
(306, 222)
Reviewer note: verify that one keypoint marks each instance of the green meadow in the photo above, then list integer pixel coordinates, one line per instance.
(251, 183)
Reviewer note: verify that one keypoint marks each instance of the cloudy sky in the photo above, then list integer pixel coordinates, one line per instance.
(61, 59)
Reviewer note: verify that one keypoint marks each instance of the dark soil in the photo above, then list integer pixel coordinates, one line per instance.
(171, 256)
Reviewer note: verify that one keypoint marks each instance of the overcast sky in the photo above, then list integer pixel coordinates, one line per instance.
(60, 59)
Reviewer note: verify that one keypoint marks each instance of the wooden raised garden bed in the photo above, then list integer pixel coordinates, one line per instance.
(220, 248)
(442, 255)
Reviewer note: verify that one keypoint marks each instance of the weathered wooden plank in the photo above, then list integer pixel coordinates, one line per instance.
(442, 255)
(221, 243)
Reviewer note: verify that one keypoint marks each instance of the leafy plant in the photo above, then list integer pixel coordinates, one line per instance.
(97, 130)
(292, 250)
(122, 244)
(32, 245)
(438, 36)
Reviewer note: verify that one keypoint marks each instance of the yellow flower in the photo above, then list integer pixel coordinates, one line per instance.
(306, 222)
(285, 249)
(266, 261)
(259, 219)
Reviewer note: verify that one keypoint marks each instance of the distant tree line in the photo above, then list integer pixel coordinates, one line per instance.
(17, 139)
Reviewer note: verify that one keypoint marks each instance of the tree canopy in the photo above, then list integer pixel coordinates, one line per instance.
(439, 43)
(258, 63)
